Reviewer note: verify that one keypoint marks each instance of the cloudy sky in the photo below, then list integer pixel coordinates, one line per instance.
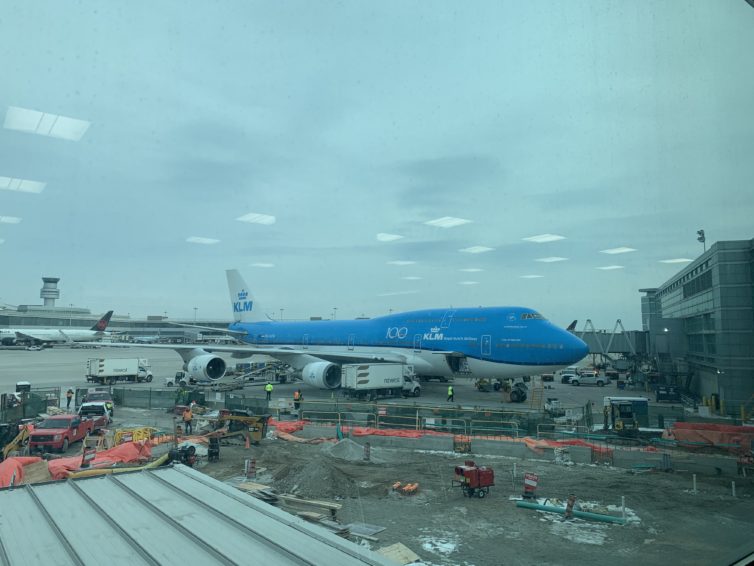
(339, 126)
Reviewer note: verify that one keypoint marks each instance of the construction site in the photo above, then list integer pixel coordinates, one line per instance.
(407, 483)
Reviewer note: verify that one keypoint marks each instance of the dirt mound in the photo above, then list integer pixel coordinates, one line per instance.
(316, 478)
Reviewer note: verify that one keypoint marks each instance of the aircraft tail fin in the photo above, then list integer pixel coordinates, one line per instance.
(102, 322)
(245, 308)
(572, 326)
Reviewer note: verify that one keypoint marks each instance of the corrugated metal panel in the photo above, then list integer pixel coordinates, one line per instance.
(164, 516)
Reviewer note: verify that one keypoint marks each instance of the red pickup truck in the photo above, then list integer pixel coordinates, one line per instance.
(59, 432)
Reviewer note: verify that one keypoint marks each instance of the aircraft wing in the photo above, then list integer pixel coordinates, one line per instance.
(240, 332)
(335, 357)
(26, 336)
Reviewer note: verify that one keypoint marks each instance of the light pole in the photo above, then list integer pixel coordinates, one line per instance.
(70, 315)
(281, 314)
(335, 313)
(195, 308)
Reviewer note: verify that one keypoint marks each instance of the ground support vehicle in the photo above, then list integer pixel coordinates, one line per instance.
(96, 409)
(590, 378)
(107, 371)
(13, 438)
(58, 432)
(473, 479)
(369, 381)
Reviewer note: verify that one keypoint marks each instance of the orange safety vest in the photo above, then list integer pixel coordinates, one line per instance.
(187, 416)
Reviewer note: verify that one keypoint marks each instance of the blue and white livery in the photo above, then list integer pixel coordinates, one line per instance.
(491, 342)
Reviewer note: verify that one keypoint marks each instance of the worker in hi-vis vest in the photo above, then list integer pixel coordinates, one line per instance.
(268, 389)
(450, 393)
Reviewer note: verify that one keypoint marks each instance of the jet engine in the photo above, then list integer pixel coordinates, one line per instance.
(206, 366)
(323, 375)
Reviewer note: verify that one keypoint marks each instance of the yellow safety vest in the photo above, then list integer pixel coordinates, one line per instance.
(268, 387)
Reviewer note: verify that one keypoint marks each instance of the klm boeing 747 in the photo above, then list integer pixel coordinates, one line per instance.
(491, 342)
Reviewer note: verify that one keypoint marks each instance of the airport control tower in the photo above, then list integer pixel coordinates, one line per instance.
(50, 291)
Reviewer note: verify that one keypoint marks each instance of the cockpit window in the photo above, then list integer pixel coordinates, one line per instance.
(532, 316)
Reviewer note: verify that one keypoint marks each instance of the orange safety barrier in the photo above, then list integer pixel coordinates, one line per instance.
(126, 452)
(15, 465)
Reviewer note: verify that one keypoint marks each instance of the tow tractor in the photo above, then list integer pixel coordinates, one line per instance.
(473, 479)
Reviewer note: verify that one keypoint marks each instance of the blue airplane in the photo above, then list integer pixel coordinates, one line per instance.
(490, 342)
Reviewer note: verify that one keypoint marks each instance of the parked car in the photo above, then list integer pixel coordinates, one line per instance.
(548, 377)
(34, 348)
(590, 378)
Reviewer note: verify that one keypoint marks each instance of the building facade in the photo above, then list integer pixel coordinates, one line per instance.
(701, 323)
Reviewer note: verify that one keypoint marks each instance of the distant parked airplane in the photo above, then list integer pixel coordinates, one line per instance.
(491, 342)
(42, 335)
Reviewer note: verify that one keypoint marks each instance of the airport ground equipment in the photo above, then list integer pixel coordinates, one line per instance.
(107, 371)
(473, 480)
(625, 415)
(369, 381)
(10, 443)
(239, 423)
(667, 393)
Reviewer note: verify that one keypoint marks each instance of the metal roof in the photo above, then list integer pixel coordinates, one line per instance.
(172, 515)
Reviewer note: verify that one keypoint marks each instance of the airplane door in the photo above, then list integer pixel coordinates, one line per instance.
(305, 342)
(447, 319)
(417, 342)
(486, 346)
(351, 340)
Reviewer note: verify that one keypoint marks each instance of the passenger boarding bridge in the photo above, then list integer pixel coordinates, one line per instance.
(629, 343)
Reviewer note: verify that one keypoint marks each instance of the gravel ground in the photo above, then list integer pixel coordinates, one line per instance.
(667, 524)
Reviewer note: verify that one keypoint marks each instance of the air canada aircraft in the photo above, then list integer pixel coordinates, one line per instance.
(42, 335)
(491, 342)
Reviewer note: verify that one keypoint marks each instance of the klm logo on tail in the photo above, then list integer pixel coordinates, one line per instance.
(242, 305)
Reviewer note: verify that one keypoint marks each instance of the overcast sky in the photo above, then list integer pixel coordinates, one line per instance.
(611, 124)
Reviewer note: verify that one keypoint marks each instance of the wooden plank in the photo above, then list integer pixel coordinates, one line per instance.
(314, 502)
(399, 553)
(252, 486)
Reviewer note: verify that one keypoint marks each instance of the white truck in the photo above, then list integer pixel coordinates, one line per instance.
(107, 371)
(368, 381)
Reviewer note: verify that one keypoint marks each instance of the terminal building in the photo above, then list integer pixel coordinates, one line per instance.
(50, 315)
(700, 325)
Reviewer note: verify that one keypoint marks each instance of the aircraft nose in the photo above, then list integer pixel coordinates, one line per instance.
(578, 347)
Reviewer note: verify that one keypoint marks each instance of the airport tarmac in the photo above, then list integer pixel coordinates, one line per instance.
(65, 367)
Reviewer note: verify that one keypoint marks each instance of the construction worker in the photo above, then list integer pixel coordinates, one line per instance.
(68, 399)
(268, 390)
(297, 398)
(450, 393)
(188, 417)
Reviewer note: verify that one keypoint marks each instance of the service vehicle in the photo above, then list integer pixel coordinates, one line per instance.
(566, 377)
(368, 381)
(181, 379)
(590, 378)
(547, 377)
(58, 432)
(96, 409)
(107, 371)
(101, 395)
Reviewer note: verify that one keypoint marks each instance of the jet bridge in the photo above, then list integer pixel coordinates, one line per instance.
(602, 342)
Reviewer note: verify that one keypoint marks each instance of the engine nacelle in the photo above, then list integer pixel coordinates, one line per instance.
(323, 375)
(205, 367)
